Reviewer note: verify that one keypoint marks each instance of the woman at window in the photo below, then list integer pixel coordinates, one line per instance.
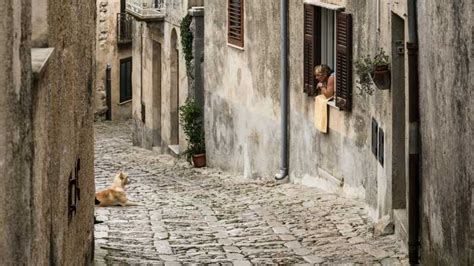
(325, 78)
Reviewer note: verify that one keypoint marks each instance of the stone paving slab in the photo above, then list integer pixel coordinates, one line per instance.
(206, 216)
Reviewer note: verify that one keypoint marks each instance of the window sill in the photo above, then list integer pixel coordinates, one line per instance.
(39, 60)
(236, 47)
(332, 104)
(124, 102)
(324, 5)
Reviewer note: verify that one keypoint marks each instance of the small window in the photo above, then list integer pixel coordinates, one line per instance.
(125, 79)
(235, 22)
(328, 40)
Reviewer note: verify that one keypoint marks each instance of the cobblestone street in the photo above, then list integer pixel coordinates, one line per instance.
(206, 216)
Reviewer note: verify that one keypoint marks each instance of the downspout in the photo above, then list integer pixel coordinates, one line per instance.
(414, 138)
(283, 90)
(142, 104)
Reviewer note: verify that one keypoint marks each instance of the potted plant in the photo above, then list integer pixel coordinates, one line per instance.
(381, 73)
(364, 68)
(190, 116)
(374, 70)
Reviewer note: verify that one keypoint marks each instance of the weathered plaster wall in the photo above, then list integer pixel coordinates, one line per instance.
(242, 104)
(108, 52)
(242, 91)
(446, 101)
(15, 133)
(39, 25)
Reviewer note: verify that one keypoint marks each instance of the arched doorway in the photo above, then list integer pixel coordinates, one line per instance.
(174, 89)
(156, 81)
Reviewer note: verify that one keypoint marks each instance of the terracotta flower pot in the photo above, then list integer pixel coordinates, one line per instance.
(381, 77)
(199, 160)
(381, 68)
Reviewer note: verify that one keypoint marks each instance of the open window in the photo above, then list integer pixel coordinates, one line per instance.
(328, 40)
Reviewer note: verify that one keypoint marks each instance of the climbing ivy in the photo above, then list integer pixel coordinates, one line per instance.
(187, 42)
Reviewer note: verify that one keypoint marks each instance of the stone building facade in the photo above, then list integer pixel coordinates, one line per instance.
(366, 152)
(113, 95)
(159, 76)
(46, 134)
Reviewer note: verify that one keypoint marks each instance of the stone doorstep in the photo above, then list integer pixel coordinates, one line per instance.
(400, 220)
(174, 150)
(39, 59)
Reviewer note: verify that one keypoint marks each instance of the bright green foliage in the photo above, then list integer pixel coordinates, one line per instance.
(191, 119)
(187, 43)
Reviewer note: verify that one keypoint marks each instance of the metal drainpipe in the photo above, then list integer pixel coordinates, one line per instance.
(142, 104)
(414, 138)
(283, 90)
(141, 62)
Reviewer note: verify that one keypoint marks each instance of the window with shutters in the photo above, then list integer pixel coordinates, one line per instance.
(235, 22)
(125, 79)
(328, 40)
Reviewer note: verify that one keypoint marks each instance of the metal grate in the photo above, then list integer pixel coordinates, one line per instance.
(124, 28)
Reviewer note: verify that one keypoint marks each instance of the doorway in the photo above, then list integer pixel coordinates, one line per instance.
(156, 83)
(398, 113)
(174, 91)
(399, 125)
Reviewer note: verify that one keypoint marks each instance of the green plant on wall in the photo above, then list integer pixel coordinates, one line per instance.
(191, 119)
(187, 42)
(365, 67)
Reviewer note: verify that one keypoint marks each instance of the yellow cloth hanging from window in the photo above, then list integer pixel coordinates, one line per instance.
(321, 113)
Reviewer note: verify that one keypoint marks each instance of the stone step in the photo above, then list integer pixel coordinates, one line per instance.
(174, 150)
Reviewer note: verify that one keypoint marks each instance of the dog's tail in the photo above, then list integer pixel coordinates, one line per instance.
(133, 203)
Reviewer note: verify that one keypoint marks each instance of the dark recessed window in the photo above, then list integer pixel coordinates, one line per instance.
(125, 79)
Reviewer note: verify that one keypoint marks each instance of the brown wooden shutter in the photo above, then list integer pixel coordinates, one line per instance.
(309, 48)
(235, 22)
(312, 49)
(344, 61)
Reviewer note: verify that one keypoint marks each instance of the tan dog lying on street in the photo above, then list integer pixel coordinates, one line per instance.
(115, 194)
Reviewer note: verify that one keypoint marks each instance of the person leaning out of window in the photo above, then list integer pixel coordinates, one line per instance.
(325, 78)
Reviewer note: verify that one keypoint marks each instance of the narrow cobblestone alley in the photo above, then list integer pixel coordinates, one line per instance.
(209, 217)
